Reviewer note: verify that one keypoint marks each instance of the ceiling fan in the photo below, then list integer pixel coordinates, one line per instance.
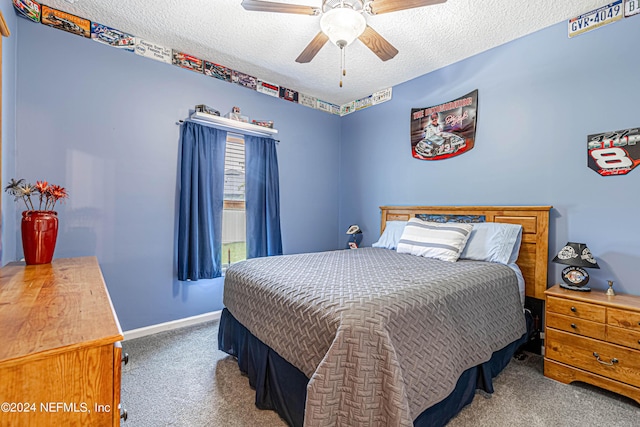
(343, 21)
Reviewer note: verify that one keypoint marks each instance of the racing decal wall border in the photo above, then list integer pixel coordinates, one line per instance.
(444, 130)
(614, 153)
(40, 13)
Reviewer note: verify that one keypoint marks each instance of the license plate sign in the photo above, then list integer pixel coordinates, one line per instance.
(631, 7)
(596, 18)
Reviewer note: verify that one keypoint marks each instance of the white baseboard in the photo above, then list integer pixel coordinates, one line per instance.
(174, 324)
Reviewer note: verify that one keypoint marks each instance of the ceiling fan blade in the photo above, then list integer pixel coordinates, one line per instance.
(378, 44)
(385, 6)
(269, 6)
(312, 48)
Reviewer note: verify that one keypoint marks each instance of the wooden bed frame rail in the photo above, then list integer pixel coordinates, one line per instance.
(534, 250)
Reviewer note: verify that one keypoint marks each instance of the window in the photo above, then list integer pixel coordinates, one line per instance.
(234, 240)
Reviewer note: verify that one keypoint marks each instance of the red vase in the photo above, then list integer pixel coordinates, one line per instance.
(39, 234)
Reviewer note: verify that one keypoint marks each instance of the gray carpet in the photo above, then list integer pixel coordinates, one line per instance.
(179, 378)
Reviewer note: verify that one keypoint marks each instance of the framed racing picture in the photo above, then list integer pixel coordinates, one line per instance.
(186, 61)
(65, 21)
(218, 71)
(244, 80)
(445, 130)
(112, 37)
(28, 9)
(288, 94)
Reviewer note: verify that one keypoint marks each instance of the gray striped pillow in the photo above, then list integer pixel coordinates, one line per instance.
(443, 241)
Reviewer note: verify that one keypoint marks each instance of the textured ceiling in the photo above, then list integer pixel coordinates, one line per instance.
(266, 45)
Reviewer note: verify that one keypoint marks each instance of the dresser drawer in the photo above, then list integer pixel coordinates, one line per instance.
(576, 325)
(624, 319)
(578, 351)
(582, 310)
(623, 337)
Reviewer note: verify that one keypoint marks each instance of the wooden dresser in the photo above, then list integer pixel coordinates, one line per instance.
(593, 338)
(60, 356)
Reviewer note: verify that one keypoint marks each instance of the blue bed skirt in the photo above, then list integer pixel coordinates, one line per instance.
(282, 387)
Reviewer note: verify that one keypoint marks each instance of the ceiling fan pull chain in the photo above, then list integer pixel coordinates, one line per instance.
(343, 73)
(344, 62)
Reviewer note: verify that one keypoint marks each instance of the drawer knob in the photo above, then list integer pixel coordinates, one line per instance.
(125, 358)
(124, 414)
(573, 309)
(573, 325)
(597, 356)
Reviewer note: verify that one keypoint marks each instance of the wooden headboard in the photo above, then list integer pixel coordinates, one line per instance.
(534, 250)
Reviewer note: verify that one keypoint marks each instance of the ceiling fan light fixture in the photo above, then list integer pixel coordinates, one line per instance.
(342, 25)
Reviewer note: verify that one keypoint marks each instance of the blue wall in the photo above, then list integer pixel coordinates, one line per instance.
(102, 123)
(8, 227)
(539, 98)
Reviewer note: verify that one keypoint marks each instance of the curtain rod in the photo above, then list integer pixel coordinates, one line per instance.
(181, 121)
(234, 125)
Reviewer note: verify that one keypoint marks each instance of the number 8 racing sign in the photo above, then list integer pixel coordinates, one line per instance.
(614, 153)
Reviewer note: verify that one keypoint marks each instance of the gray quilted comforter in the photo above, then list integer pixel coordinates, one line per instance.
(382, 336)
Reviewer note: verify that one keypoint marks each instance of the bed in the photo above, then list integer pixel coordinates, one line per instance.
(374, 336)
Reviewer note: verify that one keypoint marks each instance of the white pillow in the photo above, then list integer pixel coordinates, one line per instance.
(391, 235)
(493, 242)
(443, 241)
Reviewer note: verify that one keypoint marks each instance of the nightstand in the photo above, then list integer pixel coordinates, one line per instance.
(593, 338)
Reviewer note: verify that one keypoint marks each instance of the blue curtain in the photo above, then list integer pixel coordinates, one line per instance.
(262, 197)
(201, 202)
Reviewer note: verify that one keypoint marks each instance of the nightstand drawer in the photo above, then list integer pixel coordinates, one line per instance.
(608, 360)
(582, 310)
(624, 319)
(623, 337)
(576, 326)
